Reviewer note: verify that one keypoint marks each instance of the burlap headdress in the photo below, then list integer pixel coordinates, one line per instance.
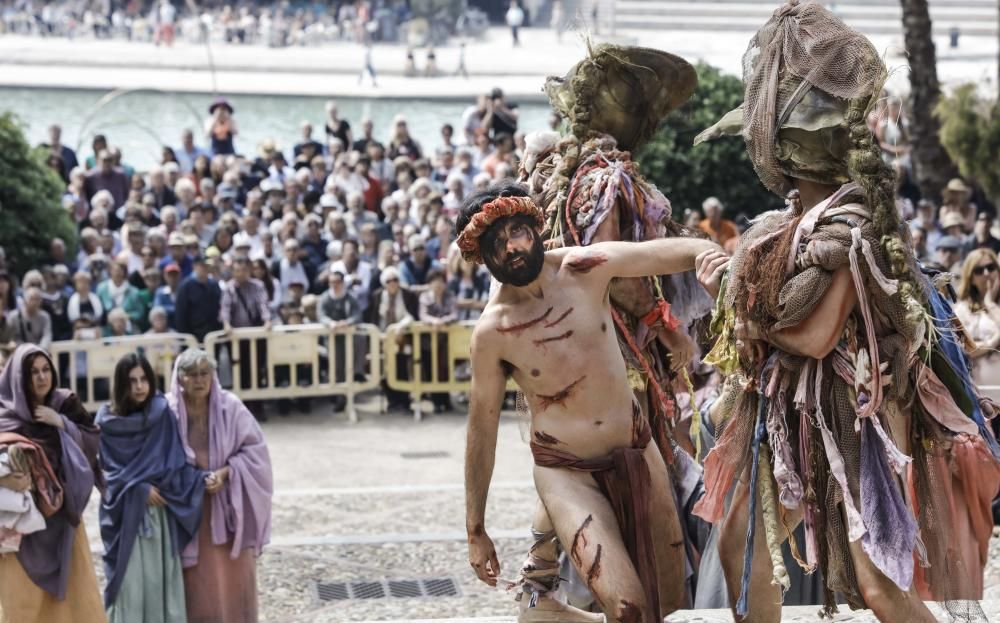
(622, 91)
(501, 207)
(800, 70)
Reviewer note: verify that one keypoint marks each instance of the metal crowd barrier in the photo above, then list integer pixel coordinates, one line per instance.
(299, 361)
(287, 362)
(87, 367)
(422, 358)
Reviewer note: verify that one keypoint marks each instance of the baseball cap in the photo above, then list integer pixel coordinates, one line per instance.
(172, 267)
(949, 242)
(226, 191)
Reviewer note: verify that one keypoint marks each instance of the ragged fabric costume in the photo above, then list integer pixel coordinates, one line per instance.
(875, 426)
(586, 182)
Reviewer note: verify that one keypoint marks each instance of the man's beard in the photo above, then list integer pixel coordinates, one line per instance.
(527, 266)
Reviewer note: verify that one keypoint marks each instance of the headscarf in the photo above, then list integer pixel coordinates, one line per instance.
(72, 452)
(241, 510)
(139, 451)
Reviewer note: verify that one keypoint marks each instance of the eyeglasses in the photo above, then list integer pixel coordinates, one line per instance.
(985, 269)
(392, 280)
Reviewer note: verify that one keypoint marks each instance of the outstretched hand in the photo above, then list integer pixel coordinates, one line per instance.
(682, 347)
(483, 558)
(710, 266)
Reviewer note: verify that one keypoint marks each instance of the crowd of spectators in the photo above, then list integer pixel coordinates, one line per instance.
(276, 24)
(349, 224)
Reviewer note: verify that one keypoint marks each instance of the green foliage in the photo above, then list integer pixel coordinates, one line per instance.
(687, 175)
(31, 213)
(970, 133)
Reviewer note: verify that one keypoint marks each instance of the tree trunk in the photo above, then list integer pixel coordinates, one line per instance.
(931, 164)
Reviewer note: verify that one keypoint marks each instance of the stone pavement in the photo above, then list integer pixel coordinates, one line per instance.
(384, 500)
(332, 70)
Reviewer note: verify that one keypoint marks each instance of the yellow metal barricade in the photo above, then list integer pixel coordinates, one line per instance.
(298, 361)
(87, 367)
(434, 359)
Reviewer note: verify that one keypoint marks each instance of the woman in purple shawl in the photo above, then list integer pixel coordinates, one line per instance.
(52, 576)
(152, 503)
(221, 435)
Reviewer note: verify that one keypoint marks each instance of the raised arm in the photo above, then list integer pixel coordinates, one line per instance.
(488, 384)
(638, 259)
(818, 334)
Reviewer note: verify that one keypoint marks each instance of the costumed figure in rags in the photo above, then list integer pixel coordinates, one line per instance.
(550, 327)
(848, 403)
(591, 191)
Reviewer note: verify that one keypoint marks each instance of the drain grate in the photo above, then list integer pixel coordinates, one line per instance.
(435, 454)
(417, 588)
(405, 588)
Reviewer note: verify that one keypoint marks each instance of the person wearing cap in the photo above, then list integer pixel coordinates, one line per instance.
(106, 176)
(312, 241)
(177, 254)
(414, 269)
(279, 170)
(953, 226)
(500, 116)
(165, 296)
(948, 253)
(220, 127)
(955, 200)
(292, 269)
(198, 302)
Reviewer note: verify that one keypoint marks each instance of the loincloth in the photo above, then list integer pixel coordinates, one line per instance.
(624, 479)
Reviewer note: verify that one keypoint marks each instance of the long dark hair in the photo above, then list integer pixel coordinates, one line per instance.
(121, 403)
(27, 383)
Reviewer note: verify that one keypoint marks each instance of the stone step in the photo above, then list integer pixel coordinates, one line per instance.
(769, 5)
(888, 13)
(799, 614)
(972, 17)
(644, 20)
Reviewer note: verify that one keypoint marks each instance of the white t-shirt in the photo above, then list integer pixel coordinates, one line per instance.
(515, 15)
(167, 13)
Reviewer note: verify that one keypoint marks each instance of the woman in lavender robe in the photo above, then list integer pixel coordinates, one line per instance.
(221, 436)
(51, 578)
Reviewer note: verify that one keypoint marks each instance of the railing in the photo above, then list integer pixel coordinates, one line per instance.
(87, 367)
(422, 358)
(299, 361)
(288, 362)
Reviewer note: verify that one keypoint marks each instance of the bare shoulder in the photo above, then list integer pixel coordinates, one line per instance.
(582, 260)
(484, 333)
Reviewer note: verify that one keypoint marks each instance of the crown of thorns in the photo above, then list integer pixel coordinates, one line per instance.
(501, 207)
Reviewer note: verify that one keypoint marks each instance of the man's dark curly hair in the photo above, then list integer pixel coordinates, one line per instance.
(474, 204)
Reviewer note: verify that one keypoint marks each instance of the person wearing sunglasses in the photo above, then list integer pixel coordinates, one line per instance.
(978, 308)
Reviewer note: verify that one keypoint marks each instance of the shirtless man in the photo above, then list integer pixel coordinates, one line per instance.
(549, 326)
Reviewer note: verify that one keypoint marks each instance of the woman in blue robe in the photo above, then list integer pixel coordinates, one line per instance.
(152, 505)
